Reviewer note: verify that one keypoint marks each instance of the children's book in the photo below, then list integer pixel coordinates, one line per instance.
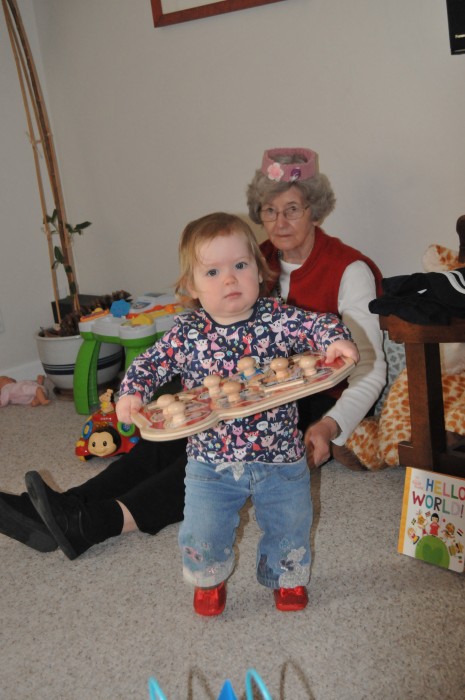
(432, 524)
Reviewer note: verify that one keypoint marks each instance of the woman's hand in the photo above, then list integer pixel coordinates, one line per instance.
(342, 348)
(126, 406)
(318, 436)
(317, 440)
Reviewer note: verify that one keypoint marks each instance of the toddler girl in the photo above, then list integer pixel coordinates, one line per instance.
(261, 456)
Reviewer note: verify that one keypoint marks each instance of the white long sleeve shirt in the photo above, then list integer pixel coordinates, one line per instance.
(356, 290)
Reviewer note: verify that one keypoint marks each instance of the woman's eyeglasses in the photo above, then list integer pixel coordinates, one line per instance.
(290, 213)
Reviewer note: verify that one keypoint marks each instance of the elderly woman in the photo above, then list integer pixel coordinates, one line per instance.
(290, 199)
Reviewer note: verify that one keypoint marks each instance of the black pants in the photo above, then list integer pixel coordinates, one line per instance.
(312, 407)
(149, 480)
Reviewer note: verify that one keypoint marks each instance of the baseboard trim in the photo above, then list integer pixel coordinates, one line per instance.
(27, 371)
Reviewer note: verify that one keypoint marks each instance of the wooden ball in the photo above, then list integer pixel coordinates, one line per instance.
(279, 363)
(280, 366)
(212, 383)
(177, 413)
(232, 391)
(164, 400)
(308, 364)
(247, 366)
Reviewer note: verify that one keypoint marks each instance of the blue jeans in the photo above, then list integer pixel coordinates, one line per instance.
(283, 509)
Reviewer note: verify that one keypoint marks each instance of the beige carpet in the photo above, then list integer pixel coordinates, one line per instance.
(379, 624)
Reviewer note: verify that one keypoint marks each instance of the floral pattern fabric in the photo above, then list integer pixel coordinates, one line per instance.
(197, 346)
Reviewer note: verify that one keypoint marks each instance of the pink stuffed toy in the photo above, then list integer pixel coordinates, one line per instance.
(24, 392)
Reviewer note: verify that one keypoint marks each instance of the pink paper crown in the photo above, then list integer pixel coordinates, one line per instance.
(289, 172)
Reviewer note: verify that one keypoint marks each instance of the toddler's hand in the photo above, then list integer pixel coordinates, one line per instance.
(126, 406)
(342, 348)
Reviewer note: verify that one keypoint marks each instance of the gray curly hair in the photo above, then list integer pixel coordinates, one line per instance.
(316, 191)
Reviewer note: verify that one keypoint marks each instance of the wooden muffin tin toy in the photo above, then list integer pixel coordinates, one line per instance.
(253, 390)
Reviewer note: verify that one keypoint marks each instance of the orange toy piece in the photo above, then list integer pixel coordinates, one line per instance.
(96, 313)
(253, 390)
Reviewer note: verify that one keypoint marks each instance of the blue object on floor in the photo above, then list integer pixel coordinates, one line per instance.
(155, 691)
(250, 676)
(227, 691)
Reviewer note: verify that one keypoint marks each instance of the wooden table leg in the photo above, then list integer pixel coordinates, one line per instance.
(428, 437)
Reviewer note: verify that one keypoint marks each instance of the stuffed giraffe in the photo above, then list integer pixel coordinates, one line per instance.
(373, 444)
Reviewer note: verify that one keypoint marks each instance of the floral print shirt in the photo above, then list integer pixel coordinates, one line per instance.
(197, 346)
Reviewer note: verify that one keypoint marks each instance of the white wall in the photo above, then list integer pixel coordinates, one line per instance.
(25, 287)
(155, 127)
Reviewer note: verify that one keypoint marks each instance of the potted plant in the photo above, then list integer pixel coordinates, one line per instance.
(58, 354)
(58, 345)
(41, 139)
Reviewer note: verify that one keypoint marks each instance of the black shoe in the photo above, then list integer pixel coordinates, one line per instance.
(20, 521)
(62, 513)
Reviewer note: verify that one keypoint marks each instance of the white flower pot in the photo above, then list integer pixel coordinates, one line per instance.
(58, 357)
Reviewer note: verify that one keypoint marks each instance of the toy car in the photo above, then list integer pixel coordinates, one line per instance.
(103, 435)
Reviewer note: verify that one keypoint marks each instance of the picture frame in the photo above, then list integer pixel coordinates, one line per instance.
(456, 20)
(166, 12)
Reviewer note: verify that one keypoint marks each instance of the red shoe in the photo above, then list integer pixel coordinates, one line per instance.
(291, 598)
(210, 601)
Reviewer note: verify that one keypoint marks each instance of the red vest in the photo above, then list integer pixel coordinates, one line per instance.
(315, 285)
